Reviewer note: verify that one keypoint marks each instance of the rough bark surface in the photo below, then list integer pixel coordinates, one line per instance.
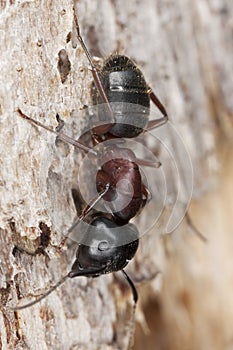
(184, 48)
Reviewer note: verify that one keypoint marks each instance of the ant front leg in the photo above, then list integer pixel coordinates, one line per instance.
(153, 124)
(86, 211)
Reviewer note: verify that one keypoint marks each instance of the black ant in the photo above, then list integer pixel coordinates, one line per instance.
(111, 241)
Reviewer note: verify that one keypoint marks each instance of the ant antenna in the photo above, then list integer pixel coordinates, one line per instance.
(132, 319)
(194, 229)
(71, 274)
(62, 280)
(60, 135)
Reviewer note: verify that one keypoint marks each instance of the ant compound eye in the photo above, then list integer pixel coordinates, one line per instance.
(103, 245)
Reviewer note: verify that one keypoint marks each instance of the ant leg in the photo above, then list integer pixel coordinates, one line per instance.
(86, 211)
(156, 123)
(96, 76)
(144, 162)
(152, 124)
(135, 299)
(193, 227)
(157, 102)
(60, 135)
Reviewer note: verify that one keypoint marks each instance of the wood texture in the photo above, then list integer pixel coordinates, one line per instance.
(184, 48)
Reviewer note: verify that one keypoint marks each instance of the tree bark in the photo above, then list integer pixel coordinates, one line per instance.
(184, 49)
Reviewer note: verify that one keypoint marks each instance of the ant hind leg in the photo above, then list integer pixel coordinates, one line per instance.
(194, 228)
(153, 124)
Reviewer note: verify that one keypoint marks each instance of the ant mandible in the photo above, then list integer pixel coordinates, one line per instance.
(102, 250)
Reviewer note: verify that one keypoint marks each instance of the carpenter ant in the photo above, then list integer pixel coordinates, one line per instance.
(104, 249)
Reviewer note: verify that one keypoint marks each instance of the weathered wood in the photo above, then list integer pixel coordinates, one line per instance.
(185, 50)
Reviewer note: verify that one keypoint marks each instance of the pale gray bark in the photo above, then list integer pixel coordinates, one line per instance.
(185, 50)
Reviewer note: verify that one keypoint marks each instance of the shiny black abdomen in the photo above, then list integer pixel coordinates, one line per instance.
(126, 88)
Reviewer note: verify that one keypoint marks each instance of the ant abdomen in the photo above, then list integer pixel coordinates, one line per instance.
(124, 84)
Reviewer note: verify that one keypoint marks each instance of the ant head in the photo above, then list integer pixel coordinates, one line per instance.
(104, 250)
